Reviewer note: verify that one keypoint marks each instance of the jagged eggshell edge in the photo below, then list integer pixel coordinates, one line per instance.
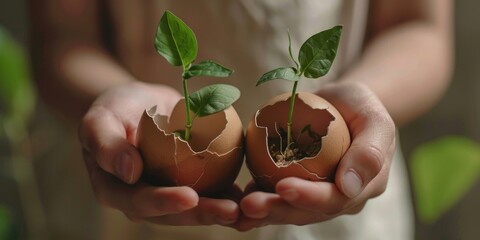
(209, 163)
(308, 107)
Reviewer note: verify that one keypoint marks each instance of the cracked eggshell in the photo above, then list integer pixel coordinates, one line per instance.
(209, 162)
(309, 109)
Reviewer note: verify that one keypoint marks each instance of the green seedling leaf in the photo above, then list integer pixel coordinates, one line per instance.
(318, 52)
(316, 57)
(207, 68)
(213, 98)
(287, 73)
(175, 41)
(290, 50)
(442, 172)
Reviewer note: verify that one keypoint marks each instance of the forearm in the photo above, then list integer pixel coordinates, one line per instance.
(408, 67)
(71, 74)
(70, 64)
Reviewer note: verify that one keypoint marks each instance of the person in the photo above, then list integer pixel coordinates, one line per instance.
(95, 61)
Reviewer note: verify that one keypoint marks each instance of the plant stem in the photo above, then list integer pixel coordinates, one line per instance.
(290, 114)
(188, 125)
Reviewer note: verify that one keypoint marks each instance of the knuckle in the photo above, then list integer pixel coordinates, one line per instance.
(375, 158)
(86, 131)
(379, 190)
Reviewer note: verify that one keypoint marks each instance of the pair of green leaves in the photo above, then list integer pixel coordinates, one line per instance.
(177, 43)
(315, 57)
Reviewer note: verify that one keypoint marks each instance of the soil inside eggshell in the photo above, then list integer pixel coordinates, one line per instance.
(325, 123)
(307, 138)
(283, 153)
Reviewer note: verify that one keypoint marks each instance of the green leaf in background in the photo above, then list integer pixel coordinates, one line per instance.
(207, 68)
(5, 223)
(213, 98)
(286, 73)
(442, 172)
(318, 52)
(16, 90)
(175, 41)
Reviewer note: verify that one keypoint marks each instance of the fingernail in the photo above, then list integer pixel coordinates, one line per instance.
(289, 194)
(124, 168)
(352, 183)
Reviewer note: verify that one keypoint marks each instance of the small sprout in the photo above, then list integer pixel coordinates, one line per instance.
(177, 43)
(315, 59)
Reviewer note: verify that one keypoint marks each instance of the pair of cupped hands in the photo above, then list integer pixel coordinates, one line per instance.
(108, 137)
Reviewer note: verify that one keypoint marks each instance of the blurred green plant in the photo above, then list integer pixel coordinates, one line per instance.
(16, 91)
(17, 101)
(442, 173)
(5, 223)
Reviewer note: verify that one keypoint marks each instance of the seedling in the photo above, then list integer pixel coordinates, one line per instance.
(315, 58)
(177, 43)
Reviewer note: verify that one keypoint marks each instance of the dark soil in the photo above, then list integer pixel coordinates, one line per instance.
(284, 155)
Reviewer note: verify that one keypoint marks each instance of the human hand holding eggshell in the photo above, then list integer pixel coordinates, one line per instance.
(108, 137)
(362, 172)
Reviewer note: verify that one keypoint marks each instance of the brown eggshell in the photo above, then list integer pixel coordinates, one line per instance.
(209, 162)
(311, 109)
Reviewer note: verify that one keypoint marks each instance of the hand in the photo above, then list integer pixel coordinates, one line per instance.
(362, 172)
(107, 134)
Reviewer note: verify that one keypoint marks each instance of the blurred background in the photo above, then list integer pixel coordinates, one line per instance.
(37, 138)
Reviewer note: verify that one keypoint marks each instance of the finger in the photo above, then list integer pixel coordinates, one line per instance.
(370, 148)
(373, 134)
(257, 204)
(139, 200)
(104, 137)
(208, 212)
(321, 197)
(251, 187)
(233, 193)
(261, 209)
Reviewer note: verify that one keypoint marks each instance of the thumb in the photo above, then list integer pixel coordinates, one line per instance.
(371, 150)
